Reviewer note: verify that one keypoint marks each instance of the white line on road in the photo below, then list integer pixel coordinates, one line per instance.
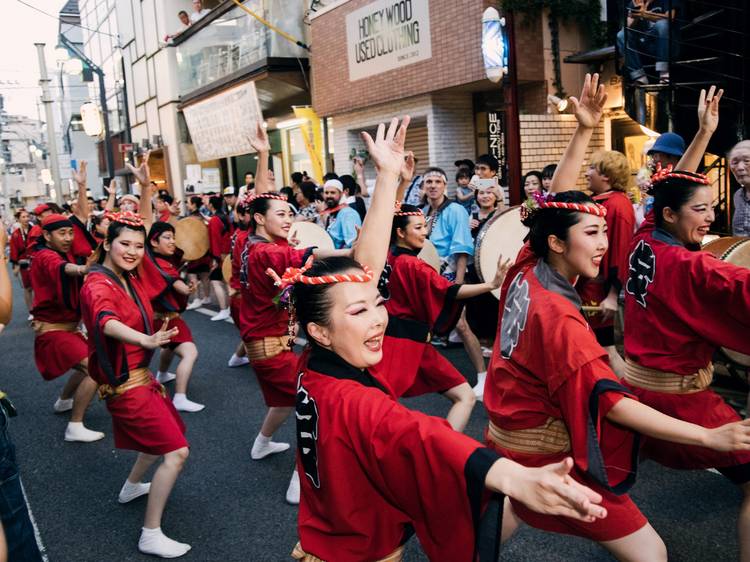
(37, 534)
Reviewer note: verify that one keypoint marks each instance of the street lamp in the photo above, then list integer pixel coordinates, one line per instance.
(69, 47)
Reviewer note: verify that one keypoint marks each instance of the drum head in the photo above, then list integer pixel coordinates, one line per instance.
(310, 234)
(738, 254)
(226, 268)
(502, 235)
(718, 246)
(430, 256)
(191, 236)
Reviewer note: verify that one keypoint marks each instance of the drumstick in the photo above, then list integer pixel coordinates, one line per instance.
(591, 308)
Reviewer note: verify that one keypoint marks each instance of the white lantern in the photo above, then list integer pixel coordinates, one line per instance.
(73, 67)
(92, 119)
(494, 45)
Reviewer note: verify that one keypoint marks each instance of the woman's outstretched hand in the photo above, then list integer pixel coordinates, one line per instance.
(387, 150)
(548, 489)
(589, 107)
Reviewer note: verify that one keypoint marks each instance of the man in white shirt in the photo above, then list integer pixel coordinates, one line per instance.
(198, 11)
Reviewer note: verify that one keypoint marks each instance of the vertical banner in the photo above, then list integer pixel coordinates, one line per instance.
(496, 142)
(312, 135)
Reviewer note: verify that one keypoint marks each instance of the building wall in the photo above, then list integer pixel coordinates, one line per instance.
(544, 138)
(456, 59)
(447, 115)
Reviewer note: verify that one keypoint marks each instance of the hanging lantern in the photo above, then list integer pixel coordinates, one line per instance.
(92, 119)
(494, 45)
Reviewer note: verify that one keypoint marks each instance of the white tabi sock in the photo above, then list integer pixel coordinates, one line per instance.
(155, 542)
(263, 447)
(182, 403)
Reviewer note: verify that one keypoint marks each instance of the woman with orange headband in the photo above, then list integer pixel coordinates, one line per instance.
(375, 473)
(681, 304)
(551, 393)
(116, 308)
(420, 303)
(264, 322)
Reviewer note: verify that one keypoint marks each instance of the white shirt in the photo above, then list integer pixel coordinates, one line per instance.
(195, 16)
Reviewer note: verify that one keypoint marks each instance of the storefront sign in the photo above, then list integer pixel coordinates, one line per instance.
(387, 34)
(221, 125)
(496, 142)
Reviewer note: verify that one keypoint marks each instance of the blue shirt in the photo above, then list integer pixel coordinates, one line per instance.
(343, 227)
(451, 234)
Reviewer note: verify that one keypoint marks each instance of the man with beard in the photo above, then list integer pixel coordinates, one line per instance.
(448, 229)
(340, 220)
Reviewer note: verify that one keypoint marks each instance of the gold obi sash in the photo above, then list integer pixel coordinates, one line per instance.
(166, 316)
(136, 377)
(41, 327)
(668, 383)
(549, 438)
(265, 348)
(299, 554)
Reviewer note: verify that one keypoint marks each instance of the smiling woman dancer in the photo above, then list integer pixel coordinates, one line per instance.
(681, 304)
(264, 323)
(373, 471)
(421, 302)
(117, 312)
(534, 398)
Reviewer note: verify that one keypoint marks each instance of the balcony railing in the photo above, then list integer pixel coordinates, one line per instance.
(231, 41)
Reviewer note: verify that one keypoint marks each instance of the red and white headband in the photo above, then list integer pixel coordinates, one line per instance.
(294, 275)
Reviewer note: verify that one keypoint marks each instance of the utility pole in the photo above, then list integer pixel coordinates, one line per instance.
(51, 140)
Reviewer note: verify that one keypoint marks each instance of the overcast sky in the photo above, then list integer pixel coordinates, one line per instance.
(20, 28)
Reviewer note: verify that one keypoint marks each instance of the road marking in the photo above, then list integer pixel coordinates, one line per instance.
(37, 534)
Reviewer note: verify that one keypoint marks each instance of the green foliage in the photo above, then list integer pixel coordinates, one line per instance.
(586, 13)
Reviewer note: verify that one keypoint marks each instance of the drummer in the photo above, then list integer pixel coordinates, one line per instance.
(220, 237)
(448, 229)
(199, 269)
(481, 311)
(20, 256)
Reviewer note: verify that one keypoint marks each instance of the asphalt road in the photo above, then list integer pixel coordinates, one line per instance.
(231, 508)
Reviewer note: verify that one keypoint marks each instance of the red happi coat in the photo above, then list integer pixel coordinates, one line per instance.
(143, 419)
(420, 302)
(546, 364)
(83, 241)
(35, 235)
(261, 316)
(613, 270)
(55, 301)
(219, 235)
(238, 246)
(680, 306)
(160, 274)
(20, 255)
(372, 472)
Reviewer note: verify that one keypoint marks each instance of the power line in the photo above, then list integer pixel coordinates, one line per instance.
(66, 22)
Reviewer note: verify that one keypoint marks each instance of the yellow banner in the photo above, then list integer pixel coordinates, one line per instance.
(312, 135)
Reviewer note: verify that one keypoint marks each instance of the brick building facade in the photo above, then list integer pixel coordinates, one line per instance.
(447, 95)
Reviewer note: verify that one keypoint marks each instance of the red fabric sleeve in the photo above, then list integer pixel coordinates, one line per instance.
(713, 300)
(620, 230)
(279, 257)
(154, 281)
(431, 294)
(16, 246)
(605, 451)
(409, 456)
(215, 233)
